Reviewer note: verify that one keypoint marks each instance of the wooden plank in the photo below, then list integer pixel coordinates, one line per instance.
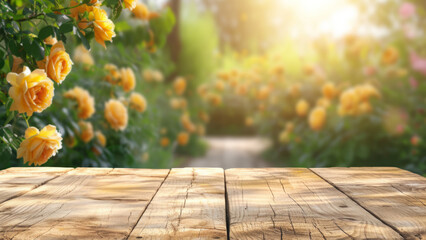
(189, 205)
(17, 181)
(396, 196)
(279, 203)
(87, 203)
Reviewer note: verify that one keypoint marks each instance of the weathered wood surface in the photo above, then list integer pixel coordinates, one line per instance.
(85, 203)
(189, 205)
(295, 203)
(210, 203)
(395, 196)
(17, 181)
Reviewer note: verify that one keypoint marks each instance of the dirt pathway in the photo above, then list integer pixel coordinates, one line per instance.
(232, 152)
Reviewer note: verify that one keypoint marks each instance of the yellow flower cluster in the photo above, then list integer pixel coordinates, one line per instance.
(179, 85)
(33, 91)
(356, 100)
(187, 123)
(96, 18)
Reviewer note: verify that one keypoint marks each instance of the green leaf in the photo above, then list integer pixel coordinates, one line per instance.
(1, 63)
(66, 27)
(15, 26)
(26, 41)
(46, 32)
(13, 47)
(82, 38)
(37, 50)
(3, 97)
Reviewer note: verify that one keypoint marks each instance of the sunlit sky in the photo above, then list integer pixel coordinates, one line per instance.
(334, 17)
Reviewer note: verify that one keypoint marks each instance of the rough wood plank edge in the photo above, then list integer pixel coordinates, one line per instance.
(189, 205)
(85, 203)
(412, 232)
(29, 170)
(294, 203)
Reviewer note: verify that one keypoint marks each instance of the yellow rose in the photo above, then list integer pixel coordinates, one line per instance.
(323, 102)
(187, 123)
(349, 101)
(329, 90)
(30, 91)
(82, 55)
(220, 85)
(128, 81)
(317, 118)
(178, 103)
(142, 12)
(295, 90)
(116, 114)
(309, 69)
(183, 138)
(278, 70)
(130, 4)
(50, 40)
(138, 102)
(39, 146)
(241, 89)
(179, 85)
(86, 131)
(202, 90)
(164, 141)
(263, 93)
(101, 138)
(158, 76)
(86, 103)
(302, 107)
(390, 56)
(214, 99)
(58, 63)
(103, 27)
(148, 75)
(113, 73)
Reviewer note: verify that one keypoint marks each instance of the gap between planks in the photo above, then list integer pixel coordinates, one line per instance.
(359, 204)
(133, 228)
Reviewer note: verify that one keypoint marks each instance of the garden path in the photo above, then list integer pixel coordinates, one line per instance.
(232, 152)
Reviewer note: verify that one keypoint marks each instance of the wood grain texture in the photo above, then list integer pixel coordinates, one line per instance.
(86, 203)
(396, 196)
(286, 203)
(17, 181)
(189, 205)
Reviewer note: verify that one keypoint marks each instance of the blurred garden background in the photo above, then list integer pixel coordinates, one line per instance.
(160, 84)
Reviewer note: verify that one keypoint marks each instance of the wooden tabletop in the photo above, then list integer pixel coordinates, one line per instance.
(212, 203)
